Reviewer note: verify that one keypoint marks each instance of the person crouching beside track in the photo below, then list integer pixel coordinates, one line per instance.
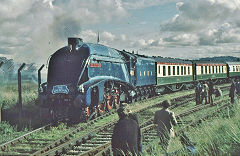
(126, 137)
(164, 119)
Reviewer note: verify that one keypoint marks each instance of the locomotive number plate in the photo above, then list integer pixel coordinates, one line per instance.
(60, 89)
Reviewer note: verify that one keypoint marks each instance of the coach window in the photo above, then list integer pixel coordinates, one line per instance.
(188, 70)
(202, 70)
(164, 70)
(205, 69)
(219, 69)
(222, 70)
(173, 70)
(209, 67)
(144, 73)
(151, 73)
(159, 69)
(213, 69)
(140, 73)
(234, 68)
(148, 73)
(169, 70)
(177, 70)
(216, 69)
(181, 70)
(185, 70)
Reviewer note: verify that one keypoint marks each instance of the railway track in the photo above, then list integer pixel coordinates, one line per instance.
(55, 147)
(148, 131)
(28, 145)
(28, 140)
(100, 140)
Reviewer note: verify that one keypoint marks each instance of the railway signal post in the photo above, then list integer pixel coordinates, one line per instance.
(20, 92)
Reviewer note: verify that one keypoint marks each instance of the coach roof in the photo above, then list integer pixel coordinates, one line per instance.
(172, 60)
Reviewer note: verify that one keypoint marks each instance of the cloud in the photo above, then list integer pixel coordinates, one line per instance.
(33, 30)
(195, 15)
(209, 25)
(138, 4)
(37, 28)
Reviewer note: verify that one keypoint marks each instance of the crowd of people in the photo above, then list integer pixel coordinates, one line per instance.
(204, 91)
(127, 138)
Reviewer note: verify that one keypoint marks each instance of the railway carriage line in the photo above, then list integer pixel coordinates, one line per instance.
(57, 146)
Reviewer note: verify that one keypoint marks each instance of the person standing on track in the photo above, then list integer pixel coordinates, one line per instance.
(232, 91)
(204, 93)
(164, 119)
(126, 137)
(210, 91)
(198, 90)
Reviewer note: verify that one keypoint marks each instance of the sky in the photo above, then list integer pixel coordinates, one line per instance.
(32, 30)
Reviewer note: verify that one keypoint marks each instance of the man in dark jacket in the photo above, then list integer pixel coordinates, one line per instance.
(164, 119)
(126, 138)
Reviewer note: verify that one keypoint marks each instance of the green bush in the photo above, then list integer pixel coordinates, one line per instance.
(8, 132)
(9, 94)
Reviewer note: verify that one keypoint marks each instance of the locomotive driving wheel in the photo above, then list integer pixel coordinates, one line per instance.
(90, 113)
(101, 108)
(111, 99)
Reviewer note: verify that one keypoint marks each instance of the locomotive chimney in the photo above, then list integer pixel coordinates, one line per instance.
(74, 43)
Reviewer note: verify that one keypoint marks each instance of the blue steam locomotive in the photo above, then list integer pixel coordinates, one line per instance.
(86, 79)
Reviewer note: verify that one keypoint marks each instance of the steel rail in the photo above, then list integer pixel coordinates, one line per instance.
(18, 139)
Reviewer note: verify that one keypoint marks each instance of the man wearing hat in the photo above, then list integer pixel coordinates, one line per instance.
(164, 119)
(126, 137)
